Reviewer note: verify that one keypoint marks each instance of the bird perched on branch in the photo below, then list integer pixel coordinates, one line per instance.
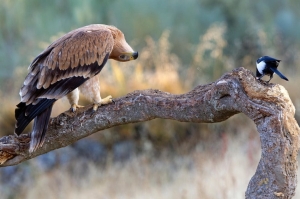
(268, 66)
(69, 65)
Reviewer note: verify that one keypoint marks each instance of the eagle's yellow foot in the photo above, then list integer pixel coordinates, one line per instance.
(74, 107)
(106, 100)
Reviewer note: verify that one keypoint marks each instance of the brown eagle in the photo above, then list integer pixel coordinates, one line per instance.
(67, 66)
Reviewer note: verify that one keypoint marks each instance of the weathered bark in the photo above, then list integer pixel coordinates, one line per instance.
(268, 105)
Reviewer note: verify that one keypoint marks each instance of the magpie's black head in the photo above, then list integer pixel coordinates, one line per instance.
(267, 59)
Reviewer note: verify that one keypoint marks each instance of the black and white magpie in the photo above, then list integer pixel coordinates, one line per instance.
(268, 66)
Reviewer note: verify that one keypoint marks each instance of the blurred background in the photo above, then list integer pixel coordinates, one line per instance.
(181, 44)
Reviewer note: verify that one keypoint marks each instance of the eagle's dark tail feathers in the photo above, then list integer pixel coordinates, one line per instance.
(279, 74)
(40, 112)
(40, 126)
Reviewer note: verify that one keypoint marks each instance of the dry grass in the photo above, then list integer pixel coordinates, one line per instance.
(214, 170)
(220, 173)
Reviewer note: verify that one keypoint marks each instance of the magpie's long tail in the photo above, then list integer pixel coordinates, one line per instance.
(279, 74)
(40, 112)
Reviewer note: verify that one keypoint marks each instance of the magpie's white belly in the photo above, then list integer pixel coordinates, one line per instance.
(261, 66)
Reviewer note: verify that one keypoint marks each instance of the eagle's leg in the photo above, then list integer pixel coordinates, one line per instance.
(91, 90)
(73, 98)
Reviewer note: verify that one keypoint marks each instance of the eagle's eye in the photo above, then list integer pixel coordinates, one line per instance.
(123, 57)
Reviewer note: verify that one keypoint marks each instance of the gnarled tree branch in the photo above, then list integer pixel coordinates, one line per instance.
(268, 105)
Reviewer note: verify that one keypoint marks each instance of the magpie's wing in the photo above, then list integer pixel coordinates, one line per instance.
(270, 59)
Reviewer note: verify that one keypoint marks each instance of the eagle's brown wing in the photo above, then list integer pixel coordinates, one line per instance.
(77, 54)
(62, 67)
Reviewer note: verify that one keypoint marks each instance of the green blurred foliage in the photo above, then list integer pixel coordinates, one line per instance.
(26, 23)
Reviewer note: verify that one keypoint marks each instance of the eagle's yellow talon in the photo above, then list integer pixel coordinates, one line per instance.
(95, 107)
(74, 107)
(106, 100)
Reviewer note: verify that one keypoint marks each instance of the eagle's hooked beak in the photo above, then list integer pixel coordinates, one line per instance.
(125, 56)
(134, 56)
